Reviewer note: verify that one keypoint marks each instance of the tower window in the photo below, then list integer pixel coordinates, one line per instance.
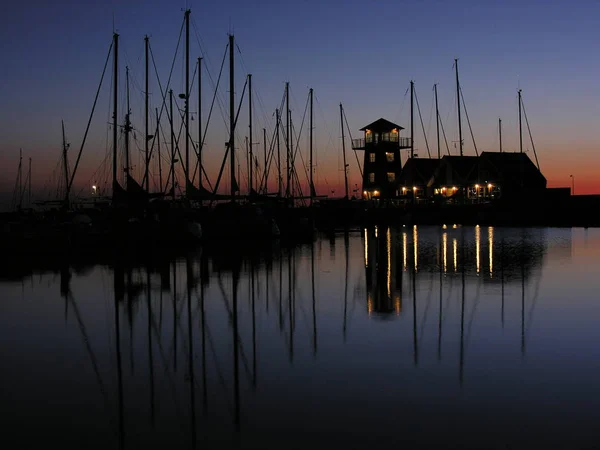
(391, 176)
(372, 176)
(389, 156)
(372, 157)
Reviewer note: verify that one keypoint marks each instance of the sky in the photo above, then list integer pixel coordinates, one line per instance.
(360, 54)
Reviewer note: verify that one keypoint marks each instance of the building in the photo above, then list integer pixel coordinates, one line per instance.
(415, 176)
(489, 176)
(382, 164)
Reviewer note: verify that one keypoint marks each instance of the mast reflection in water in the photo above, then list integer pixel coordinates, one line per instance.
(360, 337)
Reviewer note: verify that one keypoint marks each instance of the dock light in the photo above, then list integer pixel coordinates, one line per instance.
(403, 189)
(94, 188)
(444, 226)
(375, 193)
(476, 186)
(489, 185)
(444, 189)
(365, 192)
(414, 188)
(454, 188)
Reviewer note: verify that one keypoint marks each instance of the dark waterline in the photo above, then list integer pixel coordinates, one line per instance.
(471, 337)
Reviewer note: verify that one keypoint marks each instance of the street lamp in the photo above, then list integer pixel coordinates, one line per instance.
(572, 184)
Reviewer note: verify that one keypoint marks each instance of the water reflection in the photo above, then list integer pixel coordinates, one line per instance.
(237, 345)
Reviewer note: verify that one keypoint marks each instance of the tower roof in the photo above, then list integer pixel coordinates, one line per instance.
(381, 126)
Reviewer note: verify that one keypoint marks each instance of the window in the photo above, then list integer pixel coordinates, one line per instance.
(372, 176)
(372, 157)
(389, 156)
(391, 177)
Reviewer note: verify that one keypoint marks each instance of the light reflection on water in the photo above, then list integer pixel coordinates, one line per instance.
(383, 340)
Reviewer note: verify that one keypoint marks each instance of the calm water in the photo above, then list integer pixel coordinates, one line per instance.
(476, 337)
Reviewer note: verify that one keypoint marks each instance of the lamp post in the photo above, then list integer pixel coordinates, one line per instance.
(572, 184)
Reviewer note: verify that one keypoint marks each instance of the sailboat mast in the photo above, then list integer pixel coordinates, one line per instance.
(199, 122)
(287, 138)
(146, 118)
(500, 133)
(312, 186)
(460, 140)
(160, 180)
(279, 180)
(437, 120)
(232, 118)
(29, 184)
(127, 122)
(344, 151)
(412, 120)
(187, 98)
(265, 154)
(172, 144)
(520, 125)
(115, 100)
(250, 134)
(65, 164)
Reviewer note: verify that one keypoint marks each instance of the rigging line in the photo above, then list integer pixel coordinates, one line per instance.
(444, 134)
(530, 136)
(469, 122)
(402, 105)
(422, 126)
(87, 129)
(164, 93)
(212, 104)
(350, 134)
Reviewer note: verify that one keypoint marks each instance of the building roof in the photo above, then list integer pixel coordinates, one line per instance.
(381, 126)
(418, 171)
(455, 169)
(507, 166)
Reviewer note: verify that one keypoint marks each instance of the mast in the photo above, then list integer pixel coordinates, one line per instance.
(265, 153)
(29, 184)
(172, 145)
(500, 133)
(200, 122)
(20, 179)
(460, 140)
(412, 120)
(344, 151)
(159, 157)
(287, 138)
(279, 180)
(127, 123)
(187, 98)
(250, 134)
(437, 120)
(312, 186)
(115, 91)
(65, 163)
(146, 119)
(520, 127)
(231, 118)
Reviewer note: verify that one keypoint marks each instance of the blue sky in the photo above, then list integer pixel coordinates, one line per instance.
(362, 54)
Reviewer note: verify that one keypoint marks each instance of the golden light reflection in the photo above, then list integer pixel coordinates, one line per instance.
(376, 231)
(366, 249)
(477, 246)
(404, 249)
(397, 304)
(445, 250)
(491, 248)
(389, 263)
(455, 249)
(369, 303)
(416, 245)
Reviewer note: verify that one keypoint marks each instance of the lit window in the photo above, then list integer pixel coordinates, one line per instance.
(389, 156)
(372, 177)
(371, 157)
(391, 176)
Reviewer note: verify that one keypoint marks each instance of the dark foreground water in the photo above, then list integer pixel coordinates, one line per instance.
(467, 337)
